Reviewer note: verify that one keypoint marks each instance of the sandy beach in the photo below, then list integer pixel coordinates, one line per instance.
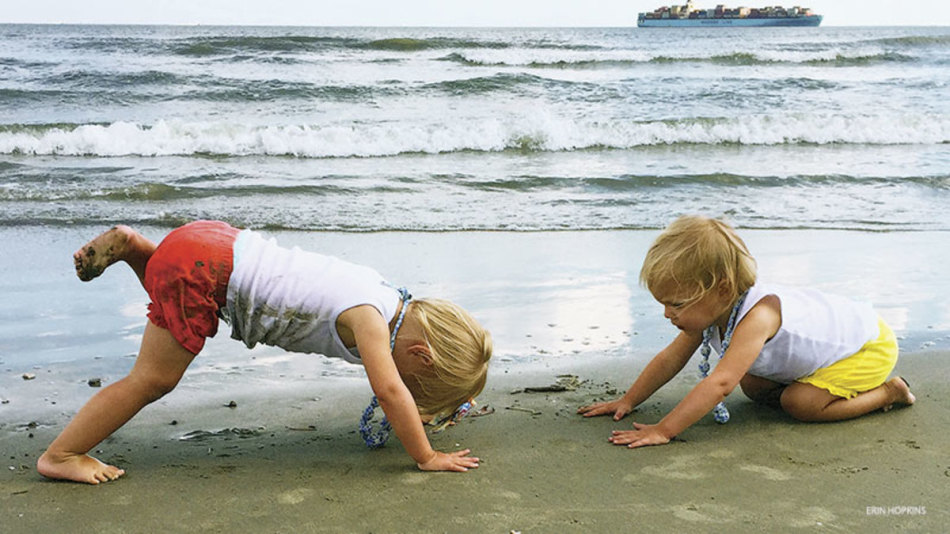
(544, 468)
(286, 456)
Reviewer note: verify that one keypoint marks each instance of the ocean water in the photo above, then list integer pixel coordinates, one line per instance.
(828, 147)
(365, 129)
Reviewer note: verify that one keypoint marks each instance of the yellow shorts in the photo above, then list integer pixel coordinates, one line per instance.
(862, 371)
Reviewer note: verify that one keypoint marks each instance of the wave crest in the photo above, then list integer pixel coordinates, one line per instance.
(528, 133)
(553, 58)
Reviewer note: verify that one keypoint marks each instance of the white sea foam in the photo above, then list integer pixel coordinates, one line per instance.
(824, 55)
(545, 56)
(565, 57)
(534, 132)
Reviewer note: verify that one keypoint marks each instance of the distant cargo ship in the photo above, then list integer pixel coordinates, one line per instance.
(687, 16)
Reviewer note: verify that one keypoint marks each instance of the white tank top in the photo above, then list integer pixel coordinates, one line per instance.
(291, 298)
(817, 330)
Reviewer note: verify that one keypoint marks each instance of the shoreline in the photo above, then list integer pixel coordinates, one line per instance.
(533, 290)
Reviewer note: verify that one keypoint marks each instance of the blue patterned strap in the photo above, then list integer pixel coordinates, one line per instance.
(373, 438)
(438, 425)
(720, 412)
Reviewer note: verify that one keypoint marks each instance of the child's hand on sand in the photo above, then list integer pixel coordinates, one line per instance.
(453, 461)
(619, 408)
(640, 436)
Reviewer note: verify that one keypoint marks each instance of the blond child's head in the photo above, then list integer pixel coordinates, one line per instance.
(697, 255)
(459, 350)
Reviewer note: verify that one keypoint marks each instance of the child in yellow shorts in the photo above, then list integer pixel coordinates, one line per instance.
(820, 357)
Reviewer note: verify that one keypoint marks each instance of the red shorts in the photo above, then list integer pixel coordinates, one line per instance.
(187, 280)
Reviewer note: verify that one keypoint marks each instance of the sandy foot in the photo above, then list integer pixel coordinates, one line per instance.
(78, 468)
(107, 248)
(901, 391)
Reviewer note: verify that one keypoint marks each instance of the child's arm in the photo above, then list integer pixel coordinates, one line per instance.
(661, 369)
(757, 327)
(372, 341)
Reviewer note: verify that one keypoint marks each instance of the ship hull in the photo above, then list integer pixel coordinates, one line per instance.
(809, 21)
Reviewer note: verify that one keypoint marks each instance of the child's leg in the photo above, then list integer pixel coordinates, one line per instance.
(157, 370)
(762, 390)
(806, 402)
(119, 243)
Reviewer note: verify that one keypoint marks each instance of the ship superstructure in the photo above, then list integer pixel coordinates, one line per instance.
(688, 15)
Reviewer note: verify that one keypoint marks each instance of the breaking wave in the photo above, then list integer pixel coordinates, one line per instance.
(524, 133)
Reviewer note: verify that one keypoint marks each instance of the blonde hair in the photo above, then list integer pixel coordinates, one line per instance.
(460, 349)
(697, 254)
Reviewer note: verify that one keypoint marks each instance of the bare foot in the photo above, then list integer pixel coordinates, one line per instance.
(78, 468)
(107, 248)
(900, 390)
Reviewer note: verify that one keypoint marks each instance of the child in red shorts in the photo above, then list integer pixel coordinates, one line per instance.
(421, 356)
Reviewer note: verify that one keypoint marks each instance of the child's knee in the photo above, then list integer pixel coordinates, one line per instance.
(798, 406)
(153, 387)
(749, 390)
(760, 389)
(160, 388)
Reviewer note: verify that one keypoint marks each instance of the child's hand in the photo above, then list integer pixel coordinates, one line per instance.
(619, 408)
(453, 461)
(640, 436)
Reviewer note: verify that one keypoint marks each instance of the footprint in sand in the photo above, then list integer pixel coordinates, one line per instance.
(679, 467)
(717, 514)
(813, 516)
(414, 479)
(295, 496)
(767, 472)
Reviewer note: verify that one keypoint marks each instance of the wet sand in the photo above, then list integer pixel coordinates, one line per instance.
(260, 466)
(286, 456)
